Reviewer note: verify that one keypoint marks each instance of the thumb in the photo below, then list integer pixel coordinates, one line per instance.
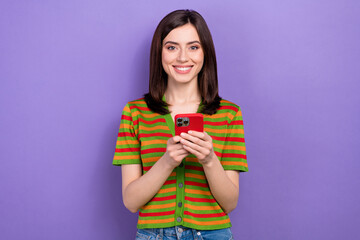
(176, 139)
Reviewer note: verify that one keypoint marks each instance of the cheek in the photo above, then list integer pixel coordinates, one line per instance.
(164, 62)
(199, 58)
(167, 58)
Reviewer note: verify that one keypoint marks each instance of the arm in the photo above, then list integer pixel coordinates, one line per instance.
(224, 185)
(138, 189)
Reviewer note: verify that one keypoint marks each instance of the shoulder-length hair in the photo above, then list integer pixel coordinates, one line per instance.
(207, 77)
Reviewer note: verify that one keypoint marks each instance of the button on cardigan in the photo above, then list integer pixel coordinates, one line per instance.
(185, 198)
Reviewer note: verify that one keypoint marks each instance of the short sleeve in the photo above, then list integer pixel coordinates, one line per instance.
(127, 150)
(233, 156)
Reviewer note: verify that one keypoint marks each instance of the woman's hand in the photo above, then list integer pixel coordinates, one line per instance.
(175, 152)
(199, 144)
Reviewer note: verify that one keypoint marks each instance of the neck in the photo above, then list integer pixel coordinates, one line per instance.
(182, 93)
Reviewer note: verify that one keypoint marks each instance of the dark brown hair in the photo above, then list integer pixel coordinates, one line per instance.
(207, 77)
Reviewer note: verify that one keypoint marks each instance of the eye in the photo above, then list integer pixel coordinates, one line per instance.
(171, 48)
(194, 47)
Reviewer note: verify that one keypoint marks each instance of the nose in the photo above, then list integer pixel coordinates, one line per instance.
(182, 56)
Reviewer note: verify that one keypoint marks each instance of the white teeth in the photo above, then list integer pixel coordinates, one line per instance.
(183, 68)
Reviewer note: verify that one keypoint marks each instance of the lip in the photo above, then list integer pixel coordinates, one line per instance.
(182, 69)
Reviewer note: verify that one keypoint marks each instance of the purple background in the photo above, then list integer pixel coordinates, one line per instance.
(68, 67)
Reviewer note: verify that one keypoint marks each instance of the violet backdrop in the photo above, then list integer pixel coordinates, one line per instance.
(67, 68)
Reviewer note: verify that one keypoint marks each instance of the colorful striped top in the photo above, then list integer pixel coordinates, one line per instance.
(185, 198)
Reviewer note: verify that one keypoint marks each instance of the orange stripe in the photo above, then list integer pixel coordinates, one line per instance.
(146, 115)
(126, 126)
(226, 101)
(154, 128)
(127, 142)
(169, 205)
(194, 175)
(206, 208)
(240, 131)
(127, 109)
(220, 115)
(234, 163)
(150, 159)
(236, 130)
(201, 192)
(229, 147)
(145, 143)
(138, 101)
(207, 223)
(156, 221)
(238, 114)
(189, 159)
(166, 190)
(210, 130)
(126, 157)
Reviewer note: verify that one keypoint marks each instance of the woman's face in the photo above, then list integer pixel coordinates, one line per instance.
(182, 54)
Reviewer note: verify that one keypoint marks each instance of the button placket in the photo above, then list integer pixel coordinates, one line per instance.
(180, 193)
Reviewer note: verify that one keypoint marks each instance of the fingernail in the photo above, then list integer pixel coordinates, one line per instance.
(190, 132)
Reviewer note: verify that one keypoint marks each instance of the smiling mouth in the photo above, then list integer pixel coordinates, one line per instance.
(182, 69)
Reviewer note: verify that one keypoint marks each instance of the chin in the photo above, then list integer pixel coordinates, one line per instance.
(184, 81)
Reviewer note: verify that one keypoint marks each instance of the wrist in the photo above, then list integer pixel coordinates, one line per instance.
(210, 161)
(165, 163)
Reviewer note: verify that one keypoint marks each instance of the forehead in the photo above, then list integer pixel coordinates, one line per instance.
(185, 33)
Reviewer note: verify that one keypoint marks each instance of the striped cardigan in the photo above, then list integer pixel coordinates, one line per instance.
(185, 198)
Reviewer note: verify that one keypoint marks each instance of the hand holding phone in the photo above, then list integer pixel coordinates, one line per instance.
(189, 121)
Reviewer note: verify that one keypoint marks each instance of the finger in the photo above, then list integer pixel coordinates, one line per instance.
(182, 150)
(200, 135)
(174, 140)
(193, 139)
(207, 137)
(175, 146)
(179, 155)
(191, 145)
(198, 154)
(200, 151)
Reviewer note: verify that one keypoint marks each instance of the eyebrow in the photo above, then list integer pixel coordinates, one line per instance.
(175, 43)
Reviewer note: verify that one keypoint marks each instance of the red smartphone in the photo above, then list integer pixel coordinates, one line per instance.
(189, 121)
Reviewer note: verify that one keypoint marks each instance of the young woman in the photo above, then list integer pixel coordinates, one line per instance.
(183, 186)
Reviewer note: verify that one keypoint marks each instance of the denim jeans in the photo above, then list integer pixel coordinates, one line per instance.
(183, 233)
